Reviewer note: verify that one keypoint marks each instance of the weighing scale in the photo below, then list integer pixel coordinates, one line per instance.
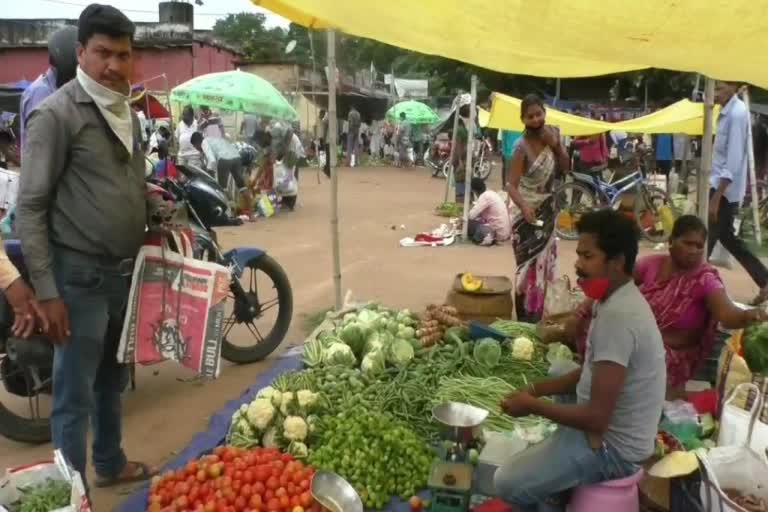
(450, 478)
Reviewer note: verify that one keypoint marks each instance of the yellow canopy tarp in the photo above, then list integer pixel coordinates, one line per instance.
(684, 116)
(505, 114)
(558, 38)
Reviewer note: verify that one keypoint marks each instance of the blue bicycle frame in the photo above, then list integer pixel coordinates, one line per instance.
(609, 193)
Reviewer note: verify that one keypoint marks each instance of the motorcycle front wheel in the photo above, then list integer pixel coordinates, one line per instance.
(24, 410)
(259, 312)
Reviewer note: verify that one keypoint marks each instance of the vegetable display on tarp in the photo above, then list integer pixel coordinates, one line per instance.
(362, 407)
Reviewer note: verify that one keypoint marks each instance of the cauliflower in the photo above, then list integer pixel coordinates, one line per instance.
(260, 413)
(307, 399)
(294, 428)
(298, 449)
(312, 423)
(269, 440)
(522, 348)
(286, 402)
(268, 393)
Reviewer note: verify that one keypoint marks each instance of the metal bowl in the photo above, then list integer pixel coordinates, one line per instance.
(335, 493)
(460, 422)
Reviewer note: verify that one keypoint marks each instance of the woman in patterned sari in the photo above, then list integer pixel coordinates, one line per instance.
(537, 158)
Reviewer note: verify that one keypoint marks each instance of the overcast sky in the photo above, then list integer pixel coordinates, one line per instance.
(138, 10)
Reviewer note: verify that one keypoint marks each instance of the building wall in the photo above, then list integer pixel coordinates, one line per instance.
(282, 76)
(176, 62)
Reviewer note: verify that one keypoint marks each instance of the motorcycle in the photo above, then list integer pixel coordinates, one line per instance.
(26, 365)
(437, 155)
(482, 165)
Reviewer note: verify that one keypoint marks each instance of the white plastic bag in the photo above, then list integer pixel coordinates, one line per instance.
(735, 422)
(734, 466)
(561, 298)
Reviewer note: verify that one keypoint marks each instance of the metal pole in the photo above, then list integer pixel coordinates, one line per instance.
(468, 172)
(752, 172)
(333, 133)
(702, 186)
(449, 178)
(311, 37)
(683, 186)
(392, 89)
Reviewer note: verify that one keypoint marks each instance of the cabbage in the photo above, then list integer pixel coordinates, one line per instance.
(368, 319)
(487, 352)
(354, 335)
(755, 346)
(340, 354)
(399, 353)
(373, 363)
(376, 341)
(559, 352)
(313, 353)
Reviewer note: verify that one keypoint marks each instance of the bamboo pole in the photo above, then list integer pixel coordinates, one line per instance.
(449, 178)
(332, 135)
(702, 187)
(468, 172)
(311, 37)
(752, 172)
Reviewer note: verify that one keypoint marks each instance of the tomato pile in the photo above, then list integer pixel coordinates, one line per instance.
(234, 480)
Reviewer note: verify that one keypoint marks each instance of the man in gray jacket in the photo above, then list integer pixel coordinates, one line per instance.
(81, 215)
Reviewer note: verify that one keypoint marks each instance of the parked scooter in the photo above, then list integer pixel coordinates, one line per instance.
(438, 154)
(26, 365)
(482, 165)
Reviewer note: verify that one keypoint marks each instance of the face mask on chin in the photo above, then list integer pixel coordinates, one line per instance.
(595, 288)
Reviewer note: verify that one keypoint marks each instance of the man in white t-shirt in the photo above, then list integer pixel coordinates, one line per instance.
(609, 430)
(184, 130)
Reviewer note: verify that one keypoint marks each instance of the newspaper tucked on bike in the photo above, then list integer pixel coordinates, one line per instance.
(176, 306)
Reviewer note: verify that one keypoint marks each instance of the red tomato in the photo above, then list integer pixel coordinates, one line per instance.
(295, 501)
(281, 492)
(304, 485)
(219, 450)
(285, 501)
(273, 483)
(246, 490)
(273, 505)
(297, 477)
(255, 501)
(284, 479)
(306, 499)
(247, 476)
(249, 459)
(279, 464)
(286, 457)
(269, 494)
(182, 502)
(261, 474)
(191, 468)
(291, 489)
(229, 495)
(226, 481)
(240, 503)
(238, 475)
(229, 471)
(200, 476)
(259, 488)
(193, 493)
(236, 485)
(222, 507)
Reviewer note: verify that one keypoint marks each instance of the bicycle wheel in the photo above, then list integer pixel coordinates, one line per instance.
(572, 200)
(654, 213)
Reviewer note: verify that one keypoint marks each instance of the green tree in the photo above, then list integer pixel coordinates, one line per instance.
(248, 32)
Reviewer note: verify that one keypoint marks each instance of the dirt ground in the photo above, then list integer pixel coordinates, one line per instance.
(167, 409)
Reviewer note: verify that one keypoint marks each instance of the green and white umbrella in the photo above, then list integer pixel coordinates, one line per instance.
(236, 91)
(415, 112)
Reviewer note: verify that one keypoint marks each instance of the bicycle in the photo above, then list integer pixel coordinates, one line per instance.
(586, 192)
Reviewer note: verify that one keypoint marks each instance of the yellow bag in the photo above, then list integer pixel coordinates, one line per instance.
(667, 218)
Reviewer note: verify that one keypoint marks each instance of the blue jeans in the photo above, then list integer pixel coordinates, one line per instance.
(87, 380)
(532, 478)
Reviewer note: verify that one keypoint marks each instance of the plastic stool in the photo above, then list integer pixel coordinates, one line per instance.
(611, 496)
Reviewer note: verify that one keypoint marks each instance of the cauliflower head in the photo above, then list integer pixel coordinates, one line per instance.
(295, 428)
(268, 393)
(307, 399)
(286, 402)
(260, 413)
(522, 348)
